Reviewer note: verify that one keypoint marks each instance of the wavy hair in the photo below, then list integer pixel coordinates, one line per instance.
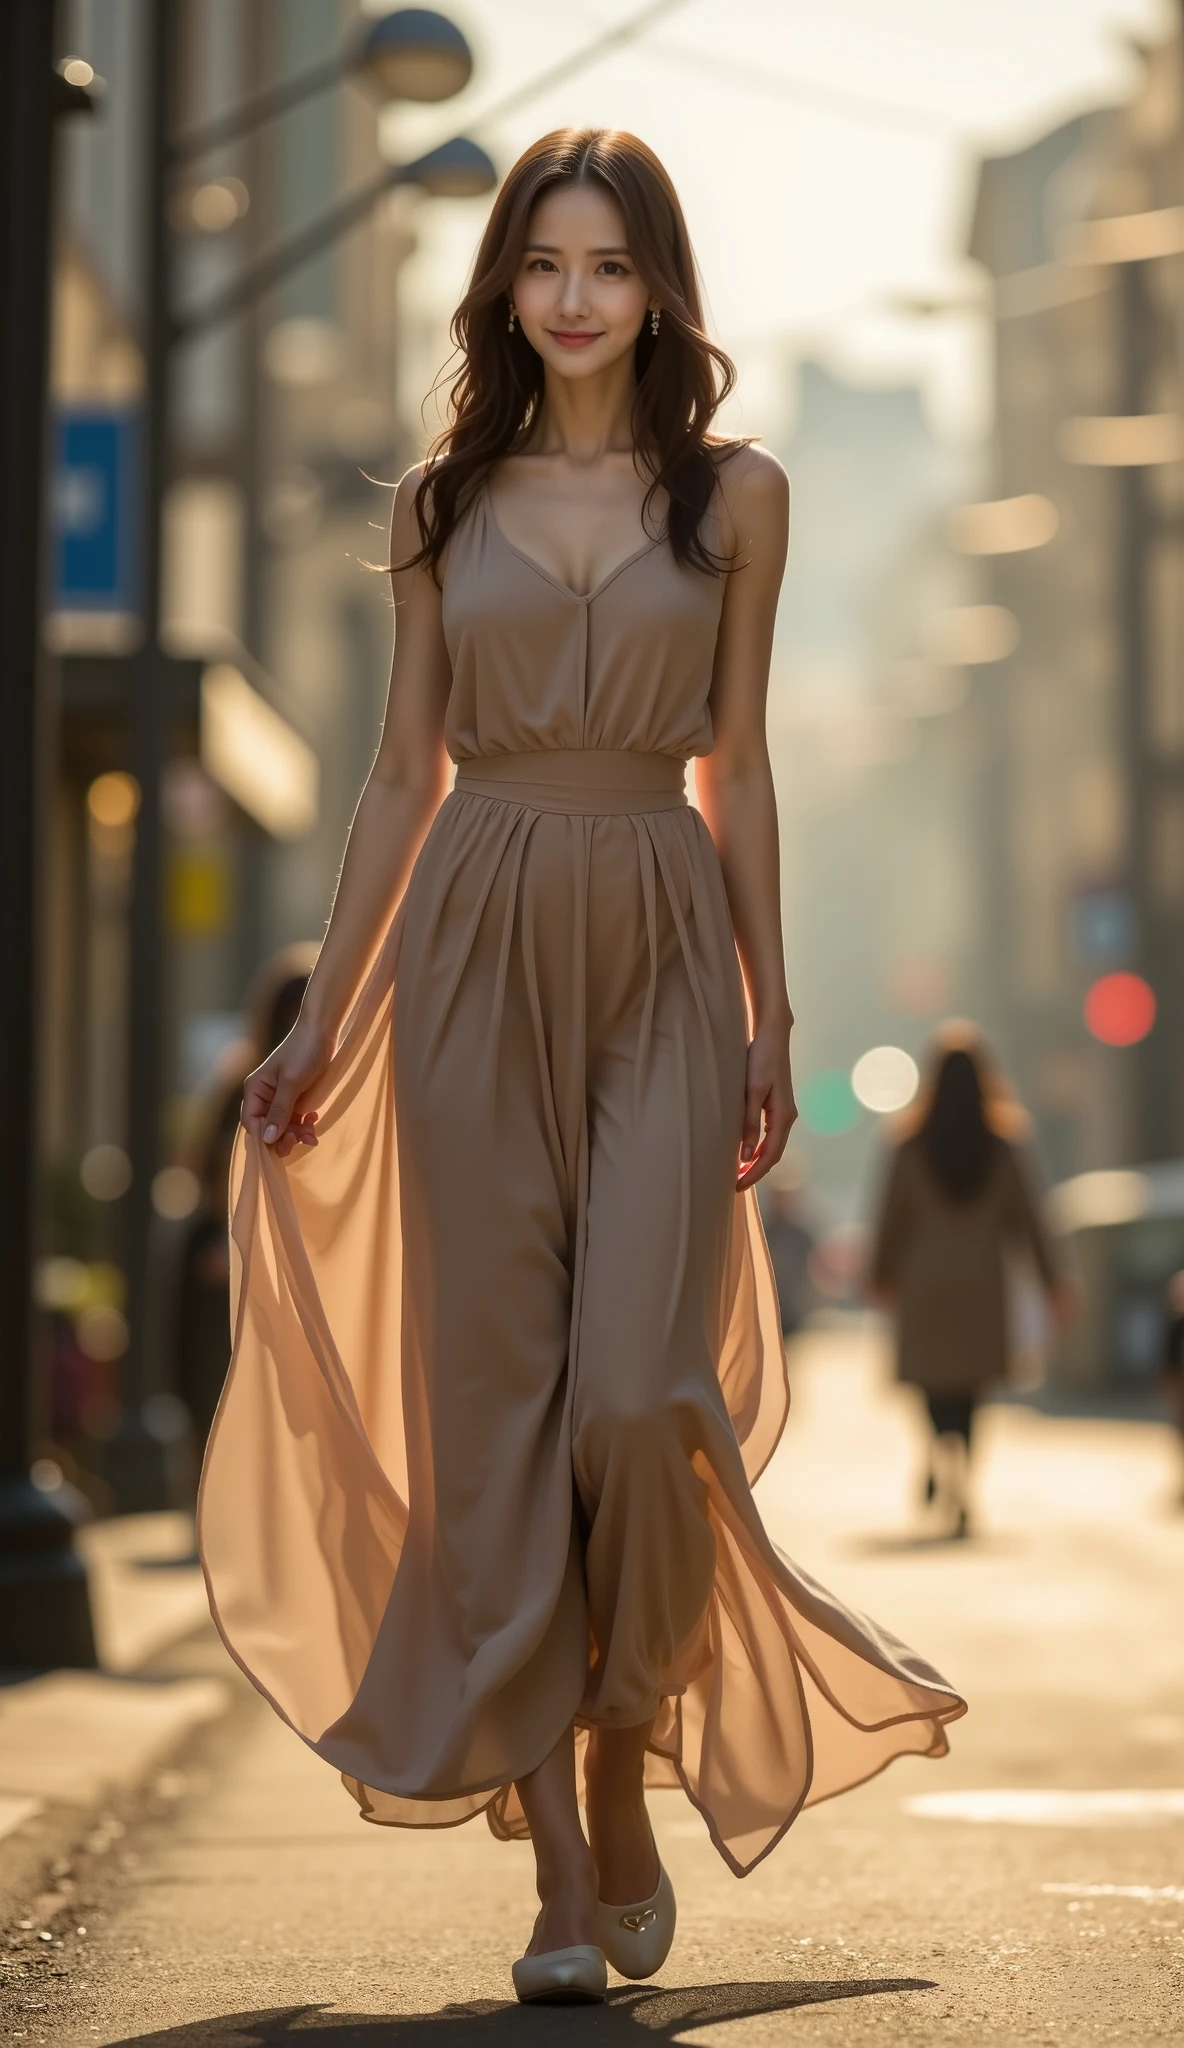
(682, 377)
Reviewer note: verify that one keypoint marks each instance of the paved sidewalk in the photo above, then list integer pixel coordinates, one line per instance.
(1004, 1896)
(77, 1746)
(146, 1586)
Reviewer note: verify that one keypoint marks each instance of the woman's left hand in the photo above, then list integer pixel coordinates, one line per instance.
(770, 1111)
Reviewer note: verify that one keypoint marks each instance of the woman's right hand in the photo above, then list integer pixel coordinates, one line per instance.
(272, 1094)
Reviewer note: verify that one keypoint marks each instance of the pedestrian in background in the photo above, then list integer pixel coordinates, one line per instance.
(960, 1196)
(791, 1245)
(202, 1290)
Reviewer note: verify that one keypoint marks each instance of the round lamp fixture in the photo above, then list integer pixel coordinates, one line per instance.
(459, 169)
(415, 54)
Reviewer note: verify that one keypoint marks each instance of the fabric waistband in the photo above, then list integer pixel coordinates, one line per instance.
(586, 781)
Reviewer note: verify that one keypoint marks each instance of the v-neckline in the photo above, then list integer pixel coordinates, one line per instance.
(556, 582)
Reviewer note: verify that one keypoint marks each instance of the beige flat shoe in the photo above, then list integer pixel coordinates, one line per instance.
(563, 1976)
(636, 1939)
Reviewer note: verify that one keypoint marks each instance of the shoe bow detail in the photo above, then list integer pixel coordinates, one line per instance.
(636, 1939)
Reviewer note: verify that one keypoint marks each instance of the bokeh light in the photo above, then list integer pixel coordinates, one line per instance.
(1120, 1009)
(1005, 526)
(827, 1103)
(885, 1079)
(216, 206)
(113, 799)
(60, 1284)
(975, 634)
(106, 1172)
(176, 1192)
(102, 1333)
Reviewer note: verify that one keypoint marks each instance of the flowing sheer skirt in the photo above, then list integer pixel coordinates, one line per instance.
(507, 1360)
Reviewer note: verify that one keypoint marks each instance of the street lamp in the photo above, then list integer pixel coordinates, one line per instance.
(415, 54)
(410, 53)
(44, 1603)
(459, 169)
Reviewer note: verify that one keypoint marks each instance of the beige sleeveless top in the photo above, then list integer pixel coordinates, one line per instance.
(536, 666)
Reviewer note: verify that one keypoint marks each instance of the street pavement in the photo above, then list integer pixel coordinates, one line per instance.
(243, 1902)
(76, 1744)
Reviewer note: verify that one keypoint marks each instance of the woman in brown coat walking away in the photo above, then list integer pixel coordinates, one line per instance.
(959, 1197)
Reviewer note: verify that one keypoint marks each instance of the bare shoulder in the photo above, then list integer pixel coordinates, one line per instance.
(755, 492)
(406, 491)
(406, 537)
(747, 468)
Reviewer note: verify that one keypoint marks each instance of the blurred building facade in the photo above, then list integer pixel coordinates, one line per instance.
(270, 515)
(279, 633)
(1082, 543)
(873, 741)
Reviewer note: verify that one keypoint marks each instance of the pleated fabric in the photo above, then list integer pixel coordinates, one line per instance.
(507, 1355)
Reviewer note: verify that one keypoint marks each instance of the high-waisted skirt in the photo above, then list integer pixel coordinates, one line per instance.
(507, 1356)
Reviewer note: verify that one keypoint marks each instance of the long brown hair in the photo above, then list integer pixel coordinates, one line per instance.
(682, 377)
(965, 1111)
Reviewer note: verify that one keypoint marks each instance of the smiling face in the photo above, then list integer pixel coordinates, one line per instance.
(577, 293)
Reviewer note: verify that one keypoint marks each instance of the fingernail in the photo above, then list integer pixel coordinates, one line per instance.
(270, 1135)
(746, 1151)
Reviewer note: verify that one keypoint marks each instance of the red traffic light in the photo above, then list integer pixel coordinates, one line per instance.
(1120, 1009)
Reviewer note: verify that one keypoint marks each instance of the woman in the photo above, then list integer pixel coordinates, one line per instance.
(477, 1514)
(958, 1199)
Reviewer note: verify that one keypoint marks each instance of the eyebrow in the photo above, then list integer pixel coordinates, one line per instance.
(552, 249)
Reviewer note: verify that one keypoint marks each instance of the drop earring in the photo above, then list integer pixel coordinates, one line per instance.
(513, 317)
(655, 319)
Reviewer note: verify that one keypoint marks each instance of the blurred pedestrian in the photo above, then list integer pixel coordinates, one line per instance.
(1171, 1377)
(202, 1287)
(791, 1245)
(960, 1196)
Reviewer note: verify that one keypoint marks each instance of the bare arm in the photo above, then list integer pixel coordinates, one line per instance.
(402, 794)
(735, 784)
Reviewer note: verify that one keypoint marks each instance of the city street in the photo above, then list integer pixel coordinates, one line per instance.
(248, 1904)
(641, 294)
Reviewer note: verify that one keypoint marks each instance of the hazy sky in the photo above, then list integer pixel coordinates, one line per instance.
(824, 150)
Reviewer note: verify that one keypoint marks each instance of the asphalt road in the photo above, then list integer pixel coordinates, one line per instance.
(247, 1904)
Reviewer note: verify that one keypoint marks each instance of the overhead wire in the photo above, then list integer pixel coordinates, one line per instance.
(637, 26)
(602, 45)
(783, 85)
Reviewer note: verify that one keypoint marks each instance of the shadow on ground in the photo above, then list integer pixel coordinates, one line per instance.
(896, 1545)
(628, 2016)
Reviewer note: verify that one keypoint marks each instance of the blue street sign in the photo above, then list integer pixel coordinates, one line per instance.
(1104, 926)
(95, 509)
